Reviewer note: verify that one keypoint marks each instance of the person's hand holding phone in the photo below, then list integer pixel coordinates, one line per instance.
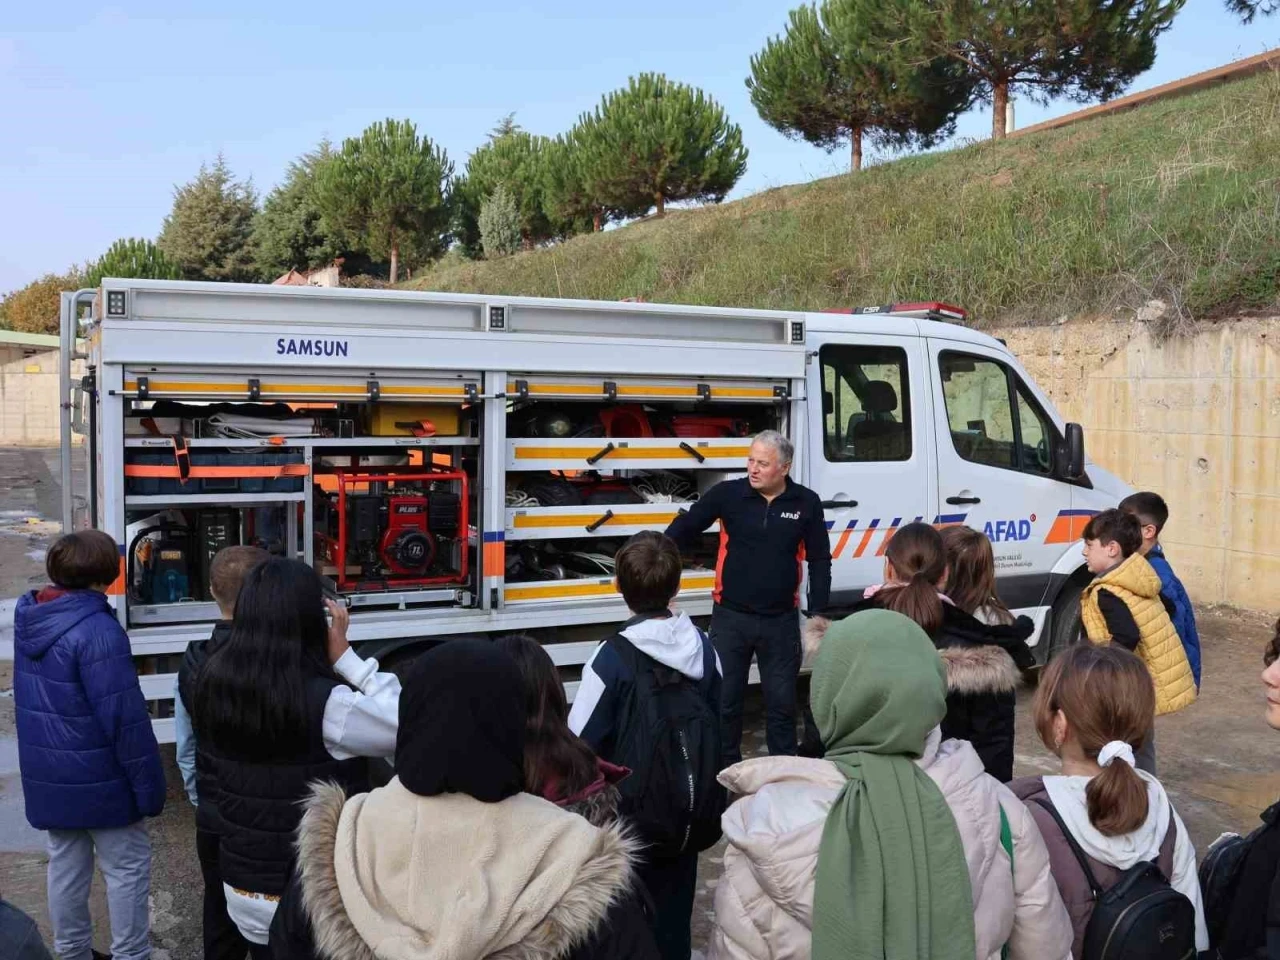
(339, 620)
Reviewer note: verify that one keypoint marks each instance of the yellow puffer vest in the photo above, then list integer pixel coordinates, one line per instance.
(1138, 585)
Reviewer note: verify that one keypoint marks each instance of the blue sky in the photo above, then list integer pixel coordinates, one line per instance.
(105, 108)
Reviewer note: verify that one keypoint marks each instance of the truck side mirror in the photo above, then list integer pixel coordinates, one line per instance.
(1073, 469)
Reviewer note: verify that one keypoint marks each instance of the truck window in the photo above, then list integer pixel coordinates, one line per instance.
(992, 418)
(866, 403)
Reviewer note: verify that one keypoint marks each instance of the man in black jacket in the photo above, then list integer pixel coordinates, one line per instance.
(769, 526)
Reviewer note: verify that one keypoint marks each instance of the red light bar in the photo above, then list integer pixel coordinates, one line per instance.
(925, 310)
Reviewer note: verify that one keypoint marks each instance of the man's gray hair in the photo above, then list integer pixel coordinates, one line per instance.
(772, 438)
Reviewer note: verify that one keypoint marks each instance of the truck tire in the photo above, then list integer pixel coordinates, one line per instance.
(1065, 627)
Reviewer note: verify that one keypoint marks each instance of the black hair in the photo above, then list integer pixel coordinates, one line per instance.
(553, 755)
(1148, 507)
(251, 694)
(1115, 526)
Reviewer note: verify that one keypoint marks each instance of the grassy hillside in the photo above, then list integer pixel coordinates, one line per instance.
(1178, 200)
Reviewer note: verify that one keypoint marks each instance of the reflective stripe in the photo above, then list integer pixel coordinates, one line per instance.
(196, 473)
(629, 453)
(290, 389)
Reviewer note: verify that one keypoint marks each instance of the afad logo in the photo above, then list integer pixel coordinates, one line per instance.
(1067, 527)
(1002, 531)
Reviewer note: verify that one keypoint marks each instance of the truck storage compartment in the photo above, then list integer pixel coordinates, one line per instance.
(150, 473)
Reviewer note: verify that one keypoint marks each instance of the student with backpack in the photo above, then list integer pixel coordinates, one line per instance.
(1119, 851)
(1240, 876)
(91, 771)
(558, 764)
(650, 701)
(896, 844)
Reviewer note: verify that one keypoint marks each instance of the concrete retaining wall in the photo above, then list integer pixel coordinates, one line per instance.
(29, 395)
(1197, 419)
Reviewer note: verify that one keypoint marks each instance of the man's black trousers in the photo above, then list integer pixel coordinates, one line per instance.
(775, 642)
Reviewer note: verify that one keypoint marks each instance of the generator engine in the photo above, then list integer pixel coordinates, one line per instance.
(406, 533)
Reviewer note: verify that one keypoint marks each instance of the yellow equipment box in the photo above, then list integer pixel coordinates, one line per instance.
(408, 419)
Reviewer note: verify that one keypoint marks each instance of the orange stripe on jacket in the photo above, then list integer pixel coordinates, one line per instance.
(720, 557)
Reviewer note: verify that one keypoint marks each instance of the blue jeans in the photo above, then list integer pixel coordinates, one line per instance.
(124, 856)
(775, 643)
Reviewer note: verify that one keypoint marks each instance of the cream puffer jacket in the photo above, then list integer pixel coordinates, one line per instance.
(764, 900)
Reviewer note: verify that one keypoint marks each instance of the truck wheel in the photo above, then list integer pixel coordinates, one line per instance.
(1065, 629)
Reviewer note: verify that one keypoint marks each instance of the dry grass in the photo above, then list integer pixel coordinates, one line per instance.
(1179, 200)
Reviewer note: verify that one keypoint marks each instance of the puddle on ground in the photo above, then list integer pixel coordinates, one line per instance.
(1245, 793)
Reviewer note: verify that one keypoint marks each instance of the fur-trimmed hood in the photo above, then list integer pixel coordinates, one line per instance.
(979, 657)
(397, 876)
(986, 669)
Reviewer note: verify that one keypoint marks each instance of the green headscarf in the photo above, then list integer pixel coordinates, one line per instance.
(892, 883)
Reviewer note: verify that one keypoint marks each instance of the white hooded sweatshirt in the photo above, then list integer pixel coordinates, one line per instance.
(673, 641)
(1068, 797)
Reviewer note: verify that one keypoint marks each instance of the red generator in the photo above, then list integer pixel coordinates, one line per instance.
(393, 530)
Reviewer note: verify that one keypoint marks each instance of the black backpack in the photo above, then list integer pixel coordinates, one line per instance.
(1220, 873)
(669, 737)
(1141, 917)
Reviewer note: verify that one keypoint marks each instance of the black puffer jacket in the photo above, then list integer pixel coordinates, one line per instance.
(983, 663)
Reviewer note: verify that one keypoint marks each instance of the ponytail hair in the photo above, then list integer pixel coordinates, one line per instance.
(1106, 694)
(920, 563)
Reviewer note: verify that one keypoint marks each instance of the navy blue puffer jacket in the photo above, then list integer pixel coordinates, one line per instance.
(88, 756)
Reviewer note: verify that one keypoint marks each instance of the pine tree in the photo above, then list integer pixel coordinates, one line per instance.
(208, 233)
(291, 233)
(570, 187)
(132, 258)
(390, 190)
(1078, 49)
(655, 141)
(513, 158)
(835, 76)
(1248, 10)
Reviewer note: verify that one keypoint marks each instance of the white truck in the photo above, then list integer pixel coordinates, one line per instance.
(459, 465)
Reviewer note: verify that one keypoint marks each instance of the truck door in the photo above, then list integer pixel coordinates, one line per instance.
(996, 453)
(870, 456)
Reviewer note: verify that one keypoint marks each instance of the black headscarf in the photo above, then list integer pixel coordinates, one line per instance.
(462, 723)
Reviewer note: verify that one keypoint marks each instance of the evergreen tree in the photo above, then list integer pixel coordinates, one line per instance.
(291, 233)
(834, 76)
(208, 233)
(499, 224)
(132, 258)
(655, 141)
(390, 190)
(1078, 49)
(1247, 10)
(570, 190)
(513, 158)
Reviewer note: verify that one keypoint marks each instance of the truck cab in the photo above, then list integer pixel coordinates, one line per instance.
(916, 417)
